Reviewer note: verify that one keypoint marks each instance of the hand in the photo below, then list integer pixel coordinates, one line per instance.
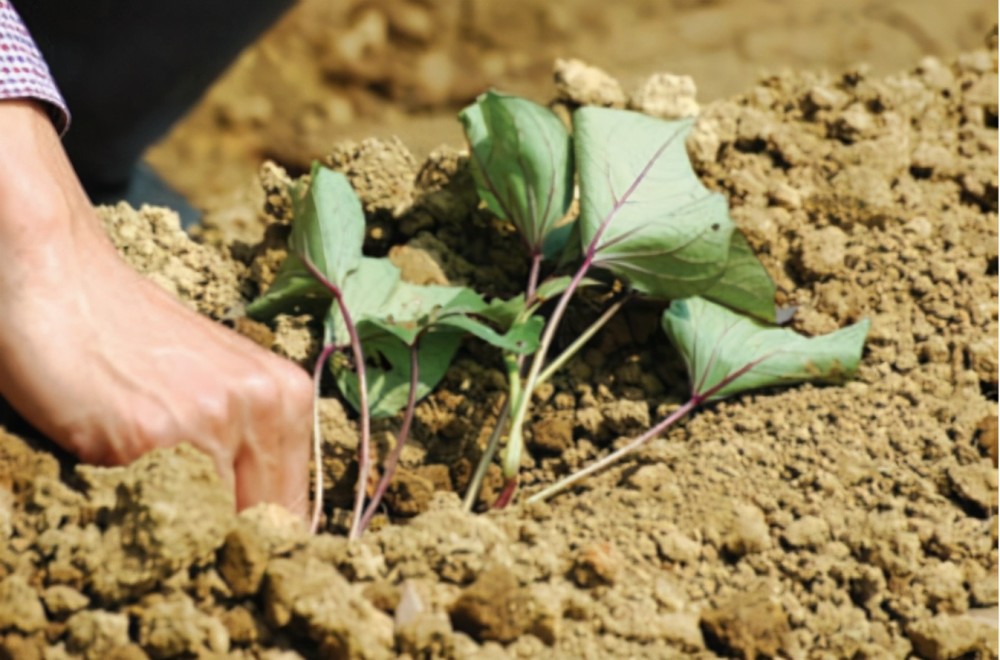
(108, 364)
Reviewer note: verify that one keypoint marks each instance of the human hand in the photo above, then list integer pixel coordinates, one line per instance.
(108, 364)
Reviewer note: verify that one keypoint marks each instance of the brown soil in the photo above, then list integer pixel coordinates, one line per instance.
(353, 69)
(855, 521)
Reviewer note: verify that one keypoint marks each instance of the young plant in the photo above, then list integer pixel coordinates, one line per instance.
(522, 163)
(412, 336)
(726, 353)
(523, 167)
(644, 216)
(402, 336)
(324, 249)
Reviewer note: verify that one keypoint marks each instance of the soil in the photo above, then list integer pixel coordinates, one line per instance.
(854, 521)
(353, 69)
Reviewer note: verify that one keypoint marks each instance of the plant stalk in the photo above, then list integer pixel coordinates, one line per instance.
(614, 456)
(364, 449)
(515, 443)
(317, 511)
(582, 340)
(515, 366)
(476, 483)
(507, 494)
(533, 275)
(493, 444)
(696, 400)
(392, 461)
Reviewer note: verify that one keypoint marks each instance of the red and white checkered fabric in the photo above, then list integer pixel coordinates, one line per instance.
(23, 72)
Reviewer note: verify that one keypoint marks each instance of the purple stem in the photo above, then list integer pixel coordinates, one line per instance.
(692, 403)
(514, 445)
(617, 454)
(404, 434)
(536, 267)
(507, 494)
(364, 450)
(317, 511)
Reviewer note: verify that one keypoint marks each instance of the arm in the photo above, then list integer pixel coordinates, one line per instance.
(106, 363)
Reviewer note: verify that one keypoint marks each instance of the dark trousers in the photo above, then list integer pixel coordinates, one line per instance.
(129, 69)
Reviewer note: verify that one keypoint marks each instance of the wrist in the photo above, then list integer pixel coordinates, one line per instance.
(45, 216)
(39, 192)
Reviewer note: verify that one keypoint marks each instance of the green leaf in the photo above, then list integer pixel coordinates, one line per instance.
(663, 231)
(329, 225)
(522, 337)
(388, 370)
(328, 228)
(425, 303)
(391, 315)
(365, 293)
(411, 310)
(522, 163)
(745, 284)
(294, 290)
(505, 312)
(727, 353)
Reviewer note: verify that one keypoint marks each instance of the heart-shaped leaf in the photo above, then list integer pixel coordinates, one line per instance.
(744, 284)
(727, 353)
(388, 370)
(653, 222)
(522, 163)
(328, 229)
(391, 316)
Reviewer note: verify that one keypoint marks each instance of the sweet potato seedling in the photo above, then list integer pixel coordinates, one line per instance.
(402, 337)
(644, 218)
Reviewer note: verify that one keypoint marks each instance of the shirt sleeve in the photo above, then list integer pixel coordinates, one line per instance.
(23, 72)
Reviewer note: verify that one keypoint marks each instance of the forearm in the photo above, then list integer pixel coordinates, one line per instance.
(39, 191)
(42, 205)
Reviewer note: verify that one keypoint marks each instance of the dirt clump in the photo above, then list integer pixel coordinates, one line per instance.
(953, 637)
(313, 598)
(844, 521)
(495, 607)
(580, 83)
(749, 626)
(151, 241)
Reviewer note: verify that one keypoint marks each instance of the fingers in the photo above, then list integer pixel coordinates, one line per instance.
(272, 464)
(293, 474)
(276, 472)
(227, 474)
